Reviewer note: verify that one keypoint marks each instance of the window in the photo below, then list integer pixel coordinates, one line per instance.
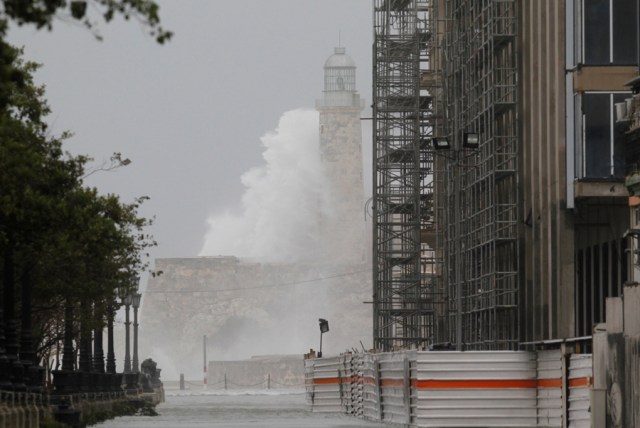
(609, 32)
(600, 273)
(602, 146)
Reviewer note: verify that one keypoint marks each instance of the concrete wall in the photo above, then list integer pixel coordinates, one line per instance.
(617, 362)
(548, 235)
(561, 215)
(263, 372)
(247, 309)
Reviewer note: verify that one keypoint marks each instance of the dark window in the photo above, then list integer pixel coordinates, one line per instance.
(607, 19)
(623, 265)
(597, 127)
(625, 25)
(596, 32)
(597, 284)
(618, 142)
(615, 263)
(600, 152)
(588, 293)
(605, 292)
(580, 294)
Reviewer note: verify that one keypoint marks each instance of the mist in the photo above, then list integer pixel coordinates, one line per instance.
(265, 274)
(283, 200)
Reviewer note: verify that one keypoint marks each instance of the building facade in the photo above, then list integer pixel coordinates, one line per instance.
(527, 163)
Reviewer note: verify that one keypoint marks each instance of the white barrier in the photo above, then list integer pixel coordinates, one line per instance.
(371, 380)
(550, 388)
(395, 394)
(476, 389)
(328, 384)
(450, 388)
(580, 380)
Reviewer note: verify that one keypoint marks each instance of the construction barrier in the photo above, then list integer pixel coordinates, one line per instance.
(550, 387)
(476, 389)
(580, 381)
(395, 386)
(450, 388)
(371, 387)
(327, 383)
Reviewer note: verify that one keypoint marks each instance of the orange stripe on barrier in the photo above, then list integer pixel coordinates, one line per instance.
(476, 384)
(369, 380)
(327, 381)
(457, 384)
(580, 382)
(391, 383)
(549, 383)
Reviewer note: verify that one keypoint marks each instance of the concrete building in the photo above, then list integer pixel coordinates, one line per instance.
(576, 57)
(512, 123)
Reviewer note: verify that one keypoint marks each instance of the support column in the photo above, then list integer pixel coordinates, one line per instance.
(127, 351)
(85, 363)
(136, 366)
(32, 372)
(64, 381)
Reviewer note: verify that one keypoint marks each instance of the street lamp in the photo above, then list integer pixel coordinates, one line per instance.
(470, 140)
(324, 327)
(135, 301)
(126, 300)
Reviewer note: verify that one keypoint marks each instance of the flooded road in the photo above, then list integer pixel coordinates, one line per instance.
(236, 410)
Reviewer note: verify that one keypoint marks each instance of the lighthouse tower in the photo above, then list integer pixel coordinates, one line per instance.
(341, 152)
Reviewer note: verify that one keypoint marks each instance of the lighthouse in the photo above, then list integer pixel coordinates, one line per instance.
(341, 154)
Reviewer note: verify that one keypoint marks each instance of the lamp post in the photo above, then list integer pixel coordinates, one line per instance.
(115, 380)
(135, 301)
(324, 327)
(126, 300)
(470, 141)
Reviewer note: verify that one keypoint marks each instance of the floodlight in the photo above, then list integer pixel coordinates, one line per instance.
(441, 143)
(471, 140)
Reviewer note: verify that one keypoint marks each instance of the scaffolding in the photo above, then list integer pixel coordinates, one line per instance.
(480, 185)
(408, 294)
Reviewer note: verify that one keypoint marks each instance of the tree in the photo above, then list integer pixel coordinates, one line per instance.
(42, 13)
(59, 239)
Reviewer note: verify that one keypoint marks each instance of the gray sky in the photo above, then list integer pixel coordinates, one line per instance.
(190, 114)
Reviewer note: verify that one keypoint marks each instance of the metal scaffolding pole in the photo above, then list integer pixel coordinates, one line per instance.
(481, 215)
(407, 295)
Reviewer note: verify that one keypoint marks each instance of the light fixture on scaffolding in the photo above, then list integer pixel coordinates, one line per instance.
(471, 140)
(441, 143)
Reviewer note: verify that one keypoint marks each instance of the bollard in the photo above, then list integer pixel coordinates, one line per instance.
(181, 382)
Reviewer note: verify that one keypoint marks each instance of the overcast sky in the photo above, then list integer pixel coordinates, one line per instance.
(190, 114)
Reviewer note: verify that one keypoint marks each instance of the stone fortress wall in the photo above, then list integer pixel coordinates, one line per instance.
(246, 309)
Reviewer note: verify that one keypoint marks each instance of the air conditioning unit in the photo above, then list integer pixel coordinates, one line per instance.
(622, 114)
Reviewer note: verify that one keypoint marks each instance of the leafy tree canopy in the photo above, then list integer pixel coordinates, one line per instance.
(70, 241)
(42, 13)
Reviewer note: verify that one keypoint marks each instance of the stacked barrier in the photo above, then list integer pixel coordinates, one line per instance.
(549, 388)
(371, 387)
(580, 380)
(450, 388)
(356, 386)
(329, 383)
(395, 386)
(476, 389)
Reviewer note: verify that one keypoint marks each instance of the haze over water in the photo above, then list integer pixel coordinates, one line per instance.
(243, 410)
